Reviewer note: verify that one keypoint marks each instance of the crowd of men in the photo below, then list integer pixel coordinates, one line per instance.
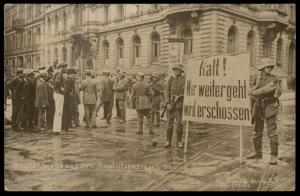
(44, 99)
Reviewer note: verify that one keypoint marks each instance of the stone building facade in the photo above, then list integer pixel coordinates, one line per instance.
(137, 37)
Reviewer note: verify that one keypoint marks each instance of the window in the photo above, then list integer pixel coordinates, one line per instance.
(106, 13)
(232, 40)
(78, 15)
(64, 55)
(64, 22)
(136, 50)
(49, 56)
(56, 24)
(279, 52)
(120, 11)
(49, 26)
(291, 61)
(251, 47)
(187, 36)
(267, 45)
(29, 39)
(120, 51)
(38, 35)
(55, 54)
(155, 48)
(105, 52)
(28, 63)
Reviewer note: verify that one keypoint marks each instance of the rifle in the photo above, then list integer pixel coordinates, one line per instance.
(175, 100)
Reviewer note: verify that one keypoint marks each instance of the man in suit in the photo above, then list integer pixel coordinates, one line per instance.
(265, 94)
(51, 107)
(120, 93)
(41, 100)
(16, 86)
(89, 88)
(67, 108)
(58, 97)
(29, 96)
(158, 91)
(107, 95)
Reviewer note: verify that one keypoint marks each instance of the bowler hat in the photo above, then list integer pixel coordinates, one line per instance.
(106, 72)
(71, 71)
(266, 62)
(155, 75)
(179, 67)
(42, 68)
(20, 71)
(50, 69)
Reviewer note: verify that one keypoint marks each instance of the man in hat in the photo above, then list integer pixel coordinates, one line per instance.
(173, 93)
(120, 94)
(58, 97)
(51, 107)
(41, 100)
(29, 98)
(89, 88)
(67, 106)
(116, 81)
(75, 99)
(158, 91)
(107, 95)
(141, 99)
(16, 86)
(265, 94)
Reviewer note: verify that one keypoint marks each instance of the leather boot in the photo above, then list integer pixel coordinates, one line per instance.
(169, 137)
(179, 138)
(258, 150)
(274, 152)
(140, 131)
(273, 160)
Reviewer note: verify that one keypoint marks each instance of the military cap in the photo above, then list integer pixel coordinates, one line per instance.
(62, 65)
(155, 75)
(179, 67)
(42, 68)
(20, 71)
(88, 71)
(266, 62)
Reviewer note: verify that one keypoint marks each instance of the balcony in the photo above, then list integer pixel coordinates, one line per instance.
(18, 24)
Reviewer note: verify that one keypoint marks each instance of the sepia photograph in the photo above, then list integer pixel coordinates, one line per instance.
(149, 97)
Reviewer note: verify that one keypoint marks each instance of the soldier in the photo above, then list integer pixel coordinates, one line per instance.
(120, 93)
(89, 88)
(158, 90)
(265, 93)
(107, 95)
(58, 97)
(41, 100)
(29, 90)
(16, 86)
(174, 90)
(141, 99)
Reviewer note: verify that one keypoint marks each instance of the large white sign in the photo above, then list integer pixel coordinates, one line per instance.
(216, 90)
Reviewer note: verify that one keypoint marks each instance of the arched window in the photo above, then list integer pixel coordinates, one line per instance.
(291, 61)
(64, 55)
(55, 54)
(49, 26)
(251, 47)
(155, 48)
(187, 35)
(29, 66)
(105, 52)
(232, 46)
(279, 52)
(136, 50)
(120, 51)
